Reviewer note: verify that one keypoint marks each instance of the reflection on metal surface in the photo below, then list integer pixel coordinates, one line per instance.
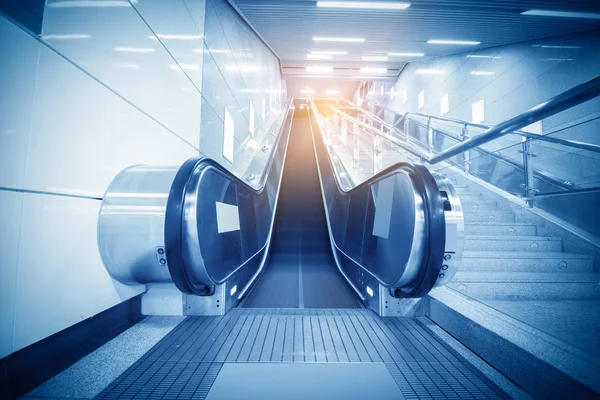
(390, 229)
(196, 225)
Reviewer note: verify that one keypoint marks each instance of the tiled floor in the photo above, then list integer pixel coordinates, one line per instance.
(187, 361)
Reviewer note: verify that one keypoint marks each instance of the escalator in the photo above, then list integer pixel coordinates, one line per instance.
(284, 228)
(301, 272)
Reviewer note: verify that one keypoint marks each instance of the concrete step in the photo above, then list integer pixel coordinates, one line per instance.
(482, 285)
(539, 362)
(513, 243)
(500, 228)
(481, 205)
(489, 216)
(515, 261)
(461, 188)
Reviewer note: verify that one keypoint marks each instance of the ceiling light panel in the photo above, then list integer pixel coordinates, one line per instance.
(364, 4)
(371, 70)
(561, 14)
(406, 54)
(457, 42)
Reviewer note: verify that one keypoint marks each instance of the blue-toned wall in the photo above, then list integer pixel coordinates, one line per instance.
(239, 71)
(512, 79)
(105, 86)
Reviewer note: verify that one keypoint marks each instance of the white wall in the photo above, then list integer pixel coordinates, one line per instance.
(73, 113)
(519, 77)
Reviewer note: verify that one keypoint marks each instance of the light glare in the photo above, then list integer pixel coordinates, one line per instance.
(406, 54)
(364, 4)
(562, 14)
(459, 42)
(371, 70)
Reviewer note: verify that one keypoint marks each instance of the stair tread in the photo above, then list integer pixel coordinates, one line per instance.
(548, 277)
(511, 237)
(523, 254)
(500, 223)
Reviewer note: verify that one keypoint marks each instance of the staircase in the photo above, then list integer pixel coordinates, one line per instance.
(526, 306)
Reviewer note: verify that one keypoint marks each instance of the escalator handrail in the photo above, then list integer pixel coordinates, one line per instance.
(434, 217)
(175, 210)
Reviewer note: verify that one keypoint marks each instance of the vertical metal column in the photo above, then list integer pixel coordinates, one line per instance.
(377, 156)
(528, 170)
(466, 154)
(429, 137)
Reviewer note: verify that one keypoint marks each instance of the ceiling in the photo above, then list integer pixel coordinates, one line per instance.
(288, 27)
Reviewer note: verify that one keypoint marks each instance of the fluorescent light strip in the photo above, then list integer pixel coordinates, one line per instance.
(334, 39)
(483, 73)
(375, 58)
(133, 50)
(89, 3)
(319, 69)
(562, 14)
(406, 54)
(371, 70)
(66, 37)
(481, 56)
(547, 46)
(364, 4)
(307, 91)
(363, 77)
(459, 42)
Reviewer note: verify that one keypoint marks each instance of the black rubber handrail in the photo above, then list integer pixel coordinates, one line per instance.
(175, 208)
(434, 217)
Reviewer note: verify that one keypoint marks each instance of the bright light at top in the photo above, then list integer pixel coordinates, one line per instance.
(334, 39)
(319, 69)
(483, 73)
(406, 54)
(370, 70)
(307, 91)
(562, 14)
(460, 42)
(375, 58)
(364, 4)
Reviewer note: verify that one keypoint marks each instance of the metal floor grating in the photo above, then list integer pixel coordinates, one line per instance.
(185, 364)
